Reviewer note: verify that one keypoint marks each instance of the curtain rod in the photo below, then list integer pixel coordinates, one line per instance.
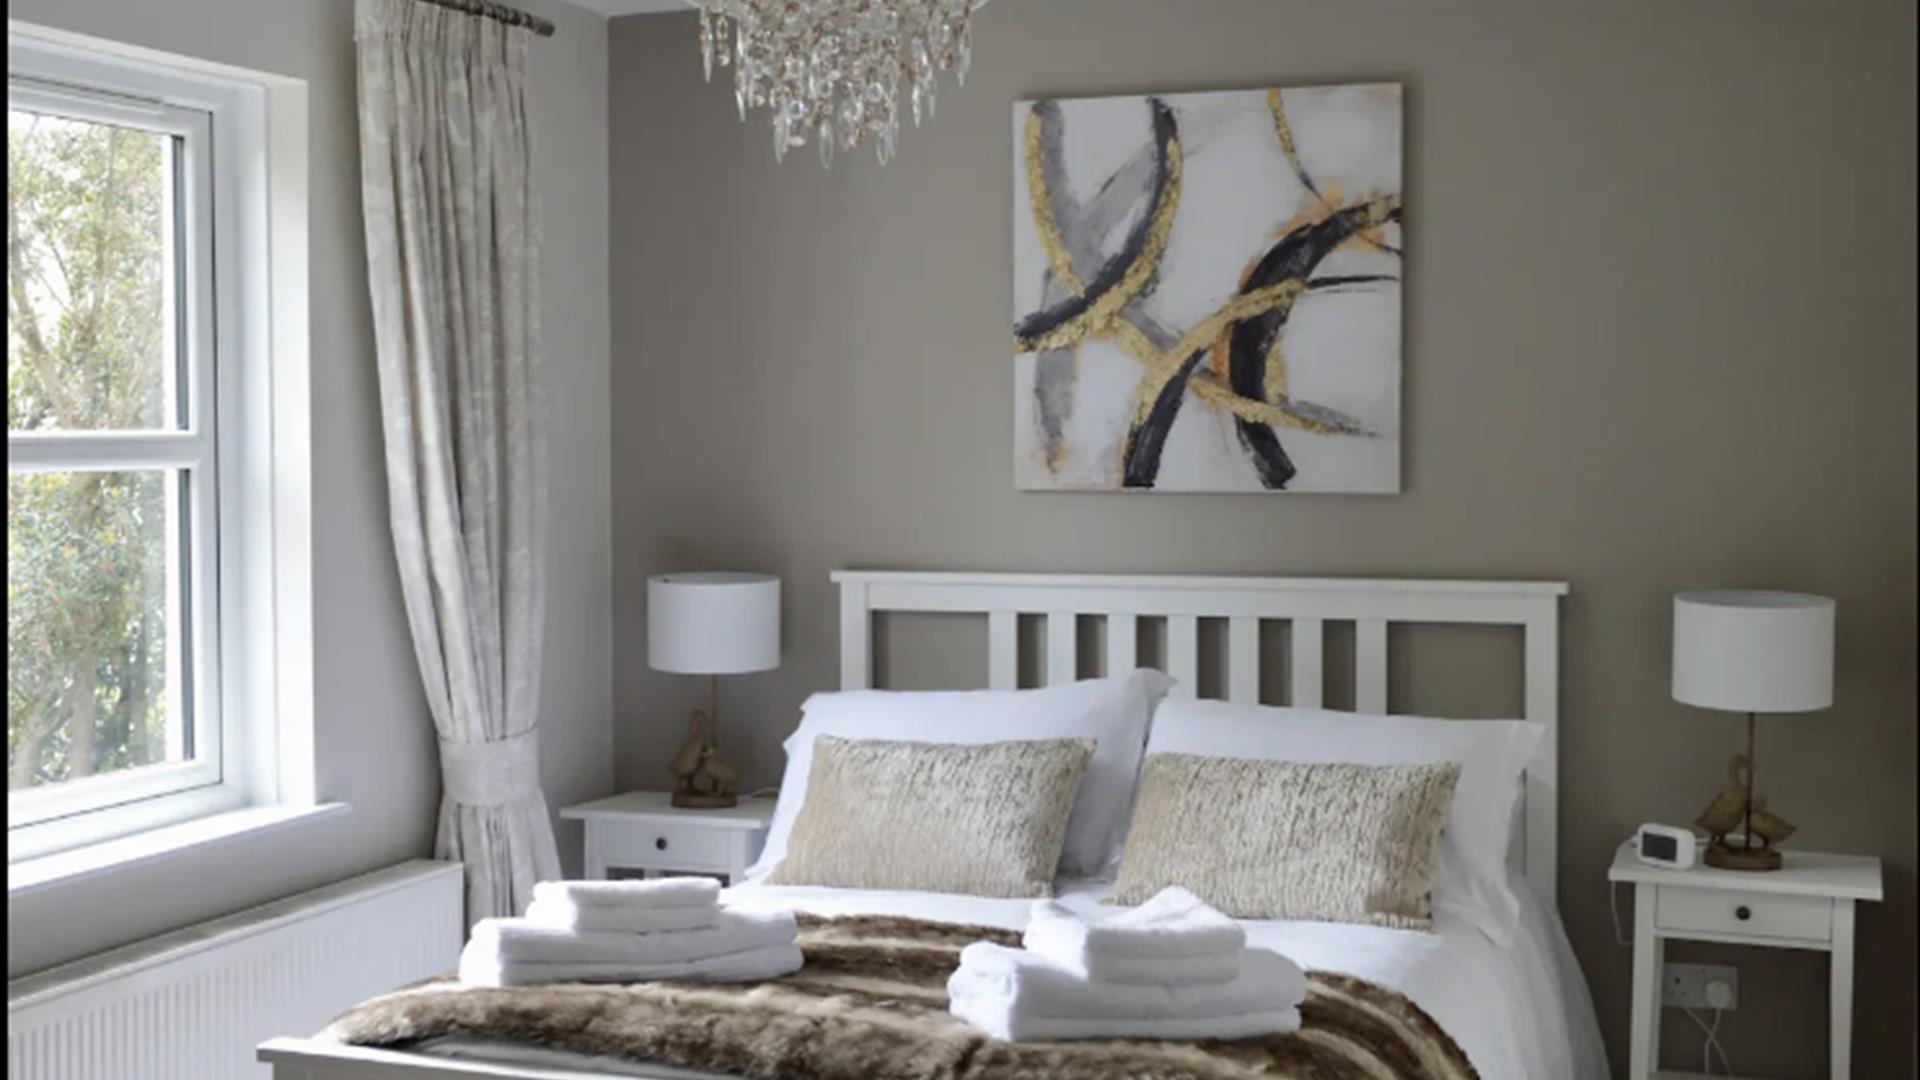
(512, 16)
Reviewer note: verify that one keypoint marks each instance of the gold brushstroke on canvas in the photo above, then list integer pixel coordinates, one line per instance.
(1200, 335)
(1327, 197)
(1099, 314)
(1284, 132)
(1041, 204)
(1104, 320)
(1208, 332)
(1276, 297)
(1115, 326)
(1210, 388)
(1274, 381)
(1273, 375)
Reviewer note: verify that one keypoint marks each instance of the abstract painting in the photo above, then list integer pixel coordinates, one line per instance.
(1207, 291)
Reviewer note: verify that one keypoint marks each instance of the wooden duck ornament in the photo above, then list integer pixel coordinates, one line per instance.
(1729, 808)
(701, 779)
(1736, 808)
(1770, 827)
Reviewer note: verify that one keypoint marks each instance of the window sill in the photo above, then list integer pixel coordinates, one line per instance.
(31, 875)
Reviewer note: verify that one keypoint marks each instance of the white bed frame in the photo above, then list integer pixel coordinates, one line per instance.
(1308, 604)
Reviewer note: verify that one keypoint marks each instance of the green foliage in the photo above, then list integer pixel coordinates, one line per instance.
(87, 349)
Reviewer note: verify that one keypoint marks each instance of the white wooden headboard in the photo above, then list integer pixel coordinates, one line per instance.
(1307, 603)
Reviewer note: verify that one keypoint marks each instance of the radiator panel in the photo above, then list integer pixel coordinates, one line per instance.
(192, 1005)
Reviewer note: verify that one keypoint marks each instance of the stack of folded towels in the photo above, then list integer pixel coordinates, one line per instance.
(630, 931)
(1172, 968)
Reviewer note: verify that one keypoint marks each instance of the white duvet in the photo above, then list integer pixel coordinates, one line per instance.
(1519, 1012)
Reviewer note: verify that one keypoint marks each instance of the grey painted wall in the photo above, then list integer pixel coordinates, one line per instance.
(375, 743)
(1659, 334)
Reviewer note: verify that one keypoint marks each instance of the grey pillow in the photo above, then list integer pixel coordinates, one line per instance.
(987, 819)
(1285, 840)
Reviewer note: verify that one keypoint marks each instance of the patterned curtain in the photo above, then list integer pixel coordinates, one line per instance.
(453, 238)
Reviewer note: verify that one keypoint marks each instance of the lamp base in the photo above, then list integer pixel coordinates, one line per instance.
(1753, 859)
(688, 800)
(1737, 808)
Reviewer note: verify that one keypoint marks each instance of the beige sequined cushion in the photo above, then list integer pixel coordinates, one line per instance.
(1285, 840)
(987, 819)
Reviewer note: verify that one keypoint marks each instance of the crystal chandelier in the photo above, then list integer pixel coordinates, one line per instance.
(832, 70)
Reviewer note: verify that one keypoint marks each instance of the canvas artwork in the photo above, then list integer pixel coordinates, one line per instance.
(1207, 291)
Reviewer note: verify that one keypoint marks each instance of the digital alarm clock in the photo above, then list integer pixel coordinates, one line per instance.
(1671, 846)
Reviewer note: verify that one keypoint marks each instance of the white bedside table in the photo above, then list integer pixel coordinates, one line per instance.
(643, 830)
(1806, 904)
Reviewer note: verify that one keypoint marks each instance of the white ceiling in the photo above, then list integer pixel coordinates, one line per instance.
(631, 7)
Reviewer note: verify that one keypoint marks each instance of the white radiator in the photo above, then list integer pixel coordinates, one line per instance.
(192, 1004)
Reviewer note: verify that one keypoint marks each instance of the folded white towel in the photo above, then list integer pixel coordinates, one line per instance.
(999, 1019)
(1175, 937)
(563, 913)
(1171, 971)
(651, 893)
(524, 941)
(483, 967)
(1034, 986)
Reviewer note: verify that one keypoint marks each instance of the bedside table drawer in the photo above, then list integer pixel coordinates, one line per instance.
(670, 844)
(1800, 918)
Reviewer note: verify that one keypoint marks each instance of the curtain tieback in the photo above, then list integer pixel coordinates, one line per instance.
(494, 773)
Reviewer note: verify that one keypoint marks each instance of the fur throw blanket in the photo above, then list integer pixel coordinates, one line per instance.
(871, 1005)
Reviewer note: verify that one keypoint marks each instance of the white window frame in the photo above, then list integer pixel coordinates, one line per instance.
(244, 439)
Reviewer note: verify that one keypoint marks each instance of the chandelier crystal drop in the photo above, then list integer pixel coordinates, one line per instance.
(834, 71)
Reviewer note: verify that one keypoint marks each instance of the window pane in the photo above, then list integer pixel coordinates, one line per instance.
(90, 278)
(93, 665)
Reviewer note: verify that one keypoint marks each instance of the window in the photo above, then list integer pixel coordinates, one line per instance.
(139, 488)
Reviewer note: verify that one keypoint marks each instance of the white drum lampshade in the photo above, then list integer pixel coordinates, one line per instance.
(1753, 651)
(713, 623)
(710, 624)
(1750, 652)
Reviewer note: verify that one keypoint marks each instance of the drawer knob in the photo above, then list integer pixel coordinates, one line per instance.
(1743, 913)
(660, 844)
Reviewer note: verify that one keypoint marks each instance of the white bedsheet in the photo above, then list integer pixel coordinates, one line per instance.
(1519, 1013)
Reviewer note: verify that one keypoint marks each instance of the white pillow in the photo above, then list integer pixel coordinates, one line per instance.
(1113, 712)
(1472, 879)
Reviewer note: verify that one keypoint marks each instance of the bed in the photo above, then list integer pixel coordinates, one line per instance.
(1518, 1009)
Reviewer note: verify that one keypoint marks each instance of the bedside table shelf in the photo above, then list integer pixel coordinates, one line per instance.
(1806, 904)
(643, 830)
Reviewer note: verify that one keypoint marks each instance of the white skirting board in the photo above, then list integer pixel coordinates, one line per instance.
(192, 1004)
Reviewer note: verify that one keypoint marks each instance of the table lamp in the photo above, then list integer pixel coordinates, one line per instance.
(710, 624)
(1752, 652)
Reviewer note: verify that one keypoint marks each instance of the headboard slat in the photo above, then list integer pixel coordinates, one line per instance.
(1123, 644)
(1243, 660)
(1063, 648)
(1371, 604)
(1183, 654)
(1370, 666)
(1003, 649)
(1309, 664)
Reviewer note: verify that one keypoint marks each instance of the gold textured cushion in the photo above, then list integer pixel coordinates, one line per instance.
(987, 819)
(1286, 840)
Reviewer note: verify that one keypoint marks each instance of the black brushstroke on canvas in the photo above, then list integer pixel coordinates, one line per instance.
(1338, 283)
(1140, 464)
(1165, 134)
(1293, 257)
(1129, 186)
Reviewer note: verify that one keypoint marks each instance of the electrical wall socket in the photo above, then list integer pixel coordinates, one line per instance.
(1684, 986)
